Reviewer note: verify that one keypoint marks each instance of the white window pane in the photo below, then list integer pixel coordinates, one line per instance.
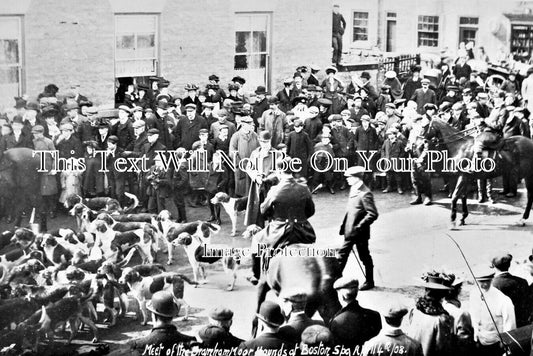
(258, 23)
(134, 23)
(9, 28)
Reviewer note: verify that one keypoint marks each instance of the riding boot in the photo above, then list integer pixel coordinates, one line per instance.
(418, 199)
(256, 270)
(369, 282)
(212, 218)
(182, 214)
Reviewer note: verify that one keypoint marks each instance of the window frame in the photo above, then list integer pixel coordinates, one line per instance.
(157, 47)
(427, 31)
(21, 57)
(367, 25)
(468, 27)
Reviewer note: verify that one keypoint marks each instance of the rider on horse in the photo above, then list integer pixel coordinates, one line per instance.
(287, 207)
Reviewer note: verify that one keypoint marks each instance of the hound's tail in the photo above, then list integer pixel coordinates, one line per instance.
(134, 205)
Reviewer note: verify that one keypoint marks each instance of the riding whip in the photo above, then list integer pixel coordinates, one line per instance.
(505, 346)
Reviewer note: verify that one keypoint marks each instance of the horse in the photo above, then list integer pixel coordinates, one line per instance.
(509, 152)
(311, 275)
(20, 181)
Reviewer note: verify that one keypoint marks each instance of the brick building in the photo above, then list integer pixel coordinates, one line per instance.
(98, 43)
(428, 26)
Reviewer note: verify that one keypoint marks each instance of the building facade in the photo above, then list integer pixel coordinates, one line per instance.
(429, 26)
(101, 44)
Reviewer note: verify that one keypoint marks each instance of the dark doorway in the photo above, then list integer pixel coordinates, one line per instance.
(391, 35)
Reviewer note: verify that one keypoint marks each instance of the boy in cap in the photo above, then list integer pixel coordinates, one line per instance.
(353, 325)
(391, 337)
(218, 330)
(164, 333)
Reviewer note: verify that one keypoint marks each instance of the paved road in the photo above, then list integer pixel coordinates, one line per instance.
(406, 241)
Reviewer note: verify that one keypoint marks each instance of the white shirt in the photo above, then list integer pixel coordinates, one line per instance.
(502, 310)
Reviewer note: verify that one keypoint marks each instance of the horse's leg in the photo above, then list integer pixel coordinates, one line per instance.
(529, 188)
(464, 201)
(262, 290)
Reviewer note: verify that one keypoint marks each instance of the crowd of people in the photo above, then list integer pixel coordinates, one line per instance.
(308, 117)
(326, 117)
(438, 324)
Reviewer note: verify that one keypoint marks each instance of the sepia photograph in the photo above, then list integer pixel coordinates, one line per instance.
(266, 177)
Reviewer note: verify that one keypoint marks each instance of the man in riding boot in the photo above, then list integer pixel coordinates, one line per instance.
(418, 147)
(287, 206)
(361, 213)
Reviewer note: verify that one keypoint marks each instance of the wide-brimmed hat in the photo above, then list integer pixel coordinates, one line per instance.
(437, 281)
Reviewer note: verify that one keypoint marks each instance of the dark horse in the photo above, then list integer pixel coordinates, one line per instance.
(510, 152)
(313, 276)
(20, 183)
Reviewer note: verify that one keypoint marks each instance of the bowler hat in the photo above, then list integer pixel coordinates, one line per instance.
(162, 304)
(153, 132)
(416, 68)
(270, 313)
(430, 106)
(221, 313)
(214, 77)
(346, 283)
(18, 120)
(299, 99)
(365, 75)
(260, 90)
(233, 87)
(49, 111)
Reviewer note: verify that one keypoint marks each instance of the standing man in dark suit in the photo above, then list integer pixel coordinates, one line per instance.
(423, 96)
(339, 25)
(353, 325)
(313, 80)
(516, 288)
(284, 96)
(361, 213)
(188, 128)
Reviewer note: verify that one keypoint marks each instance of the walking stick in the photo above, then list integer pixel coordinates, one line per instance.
(359, 263)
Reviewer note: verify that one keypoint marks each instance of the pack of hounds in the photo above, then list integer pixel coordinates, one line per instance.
(52, 279)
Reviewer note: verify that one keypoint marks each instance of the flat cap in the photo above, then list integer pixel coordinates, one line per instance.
(125, 108)
(203, 131)
(221, 313)
(212, 335)
(390, 74)
(354, 171)
(365, 118)
(325, 101)
(345, 282)
(390, 105)
(395, 311)
(153, 132)
(331, 69)
(425, 81)
(91, 110)
(67, 126)
(190, 106)
(334, 117)
(208, 105)
(346, 112)
(37, 129)
(112, 139)
(452, 87)
(316, 335)
(138, 123)
(247, 119)
(483, 273)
